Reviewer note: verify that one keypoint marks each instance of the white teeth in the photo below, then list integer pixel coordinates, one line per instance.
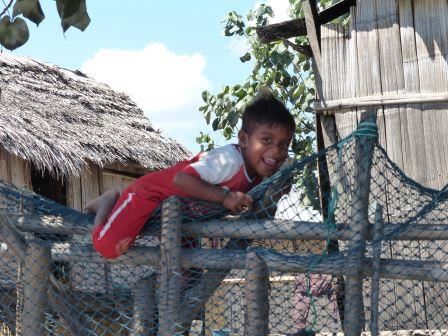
(270, 161)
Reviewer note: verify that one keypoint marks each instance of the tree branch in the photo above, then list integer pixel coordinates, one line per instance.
(7, 7)
(303, 49)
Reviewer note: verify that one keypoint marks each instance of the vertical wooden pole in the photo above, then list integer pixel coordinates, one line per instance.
(144, 316)
(36, 274)
(354, 305)
(170, 268)
(19, 297)
(376, 255)
(257, 296)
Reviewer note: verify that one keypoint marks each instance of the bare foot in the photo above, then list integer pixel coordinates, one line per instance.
(94, 205)
(102, 206)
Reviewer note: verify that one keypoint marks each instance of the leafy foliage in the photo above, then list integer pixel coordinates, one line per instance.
(277, 66)
(14, 30)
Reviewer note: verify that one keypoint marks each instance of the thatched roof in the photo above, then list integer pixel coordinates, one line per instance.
(60, 119)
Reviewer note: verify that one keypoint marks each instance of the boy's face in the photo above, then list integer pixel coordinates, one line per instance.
(265, 148)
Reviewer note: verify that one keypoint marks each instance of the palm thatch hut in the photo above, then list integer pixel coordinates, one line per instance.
(70, 138)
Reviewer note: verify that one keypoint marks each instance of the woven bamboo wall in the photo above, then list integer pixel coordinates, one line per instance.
(395, 47)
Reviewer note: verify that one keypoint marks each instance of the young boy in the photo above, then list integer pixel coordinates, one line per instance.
(222, 175)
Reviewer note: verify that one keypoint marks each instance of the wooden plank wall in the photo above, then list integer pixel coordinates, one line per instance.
(14, 170)
(398, 46)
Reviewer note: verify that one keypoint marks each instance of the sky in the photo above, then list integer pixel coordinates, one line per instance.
(163, 54)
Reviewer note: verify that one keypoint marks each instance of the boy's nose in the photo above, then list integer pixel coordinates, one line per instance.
(275, 152)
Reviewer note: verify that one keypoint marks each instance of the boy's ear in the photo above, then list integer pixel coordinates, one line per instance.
(242, 139)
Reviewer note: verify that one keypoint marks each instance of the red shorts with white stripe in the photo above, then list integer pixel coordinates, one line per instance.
(127, 218)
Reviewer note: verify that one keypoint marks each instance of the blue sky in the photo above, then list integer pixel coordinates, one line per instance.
(162, 53)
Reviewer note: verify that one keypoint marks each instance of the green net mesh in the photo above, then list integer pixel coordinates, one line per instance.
(366, 253)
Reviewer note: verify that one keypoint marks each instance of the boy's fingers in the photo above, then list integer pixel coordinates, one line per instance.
(247, 201)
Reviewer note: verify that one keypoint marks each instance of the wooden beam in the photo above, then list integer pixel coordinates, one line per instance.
(227, 259)
(297, 27)
(335, 11)
(282, 30)
(313, 28)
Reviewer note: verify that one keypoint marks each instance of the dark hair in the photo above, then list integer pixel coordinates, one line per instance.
(266, 109)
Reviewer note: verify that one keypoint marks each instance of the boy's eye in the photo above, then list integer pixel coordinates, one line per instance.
(266, 140)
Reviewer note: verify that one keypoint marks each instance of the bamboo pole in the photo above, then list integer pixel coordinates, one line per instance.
(376, 255)
(170, 268)
(19, 296)
(145, 307)
(354, 305)
(257, 296)
(36, 274)
(303, 230)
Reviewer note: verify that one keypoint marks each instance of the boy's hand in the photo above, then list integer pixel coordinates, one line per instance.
(237, 201)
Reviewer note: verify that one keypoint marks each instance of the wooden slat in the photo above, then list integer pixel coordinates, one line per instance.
(413, 144)
(397, 305)
(431, 45)
(430, 26)
(20, 172)
(74, 199)
(5, 173)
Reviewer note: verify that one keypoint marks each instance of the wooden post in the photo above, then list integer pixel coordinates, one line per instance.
(170, 268)
(36, 273)
(376, 255)
(354, 318)
(144, 316)
(257, 296)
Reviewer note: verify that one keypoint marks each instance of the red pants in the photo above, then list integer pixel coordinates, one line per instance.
(127, 218)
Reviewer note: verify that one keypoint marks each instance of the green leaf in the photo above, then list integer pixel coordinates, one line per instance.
(30, 9)
(13, 34)
(73, 13)
(67, 8)
(208, 116)
(215, 124)
(233, 118)
(205, 95)
(246, 57)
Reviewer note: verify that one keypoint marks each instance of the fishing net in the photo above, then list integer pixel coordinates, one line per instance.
(366, 253)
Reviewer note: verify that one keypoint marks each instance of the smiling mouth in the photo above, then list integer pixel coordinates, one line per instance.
(270, 162)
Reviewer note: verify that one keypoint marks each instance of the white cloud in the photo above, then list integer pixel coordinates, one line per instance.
(280, 9)
(239, 45)
(167, 86)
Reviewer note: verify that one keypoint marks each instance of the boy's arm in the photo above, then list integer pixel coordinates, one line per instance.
(198, 188)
